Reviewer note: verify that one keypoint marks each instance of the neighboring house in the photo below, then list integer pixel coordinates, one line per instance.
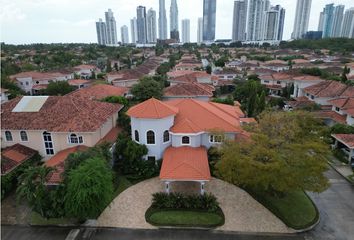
(32, 82)
(85, 71)
(276, 82)
(351, 68)
(180, 132)
(99, 92)
(302, 82)
(52, 124)
(187, 66)
(198, 91)
(324, 91)
(301, 63)
(276, 65)
(4, 95)
(228, 74)
(199, 77)
(79, 83)
(344, 107)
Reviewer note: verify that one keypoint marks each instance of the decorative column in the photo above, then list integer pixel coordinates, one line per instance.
(202, 188)
(167, 187)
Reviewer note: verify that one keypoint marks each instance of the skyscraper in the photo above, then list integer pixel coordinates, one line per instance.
(281, 21)
(111, 28)
(209, 19)
(101, 32)
(320, 22)
(186, 31)
(274, 23)
(348, 24)
(134, 29)
(124, 34)
(174, 34)
(200, 30)
(256, 19)
(328, 14)
(151, 26)
(239, 20)
(337, 20)
(162, 20)
(141, 24)
(302, 16)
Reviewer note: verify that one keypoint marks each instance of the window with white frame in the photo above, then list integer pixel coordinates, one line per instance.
(75, 139)
(186, 140)
(166, 136)
(337, 109)
(8, 136)
(150, 137)
(48, 143)
(23, 135)
(215, 138)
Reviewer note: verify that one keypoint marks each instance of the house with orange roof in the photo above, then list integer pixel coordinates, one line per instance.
(99, 92)
(195, 90)
(276, 82)
(304, 81)
(345, 142)
(85, 71)
(276, 65)
(180, 132)
(344, 107)
(55, 123)
(79, 83)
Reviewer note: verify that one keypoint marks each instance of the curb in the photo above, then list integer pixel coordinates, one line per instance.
(335, 169)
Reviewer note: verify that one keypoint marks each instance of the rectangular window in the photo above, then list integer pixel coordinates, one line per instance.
(215, 138)
(151, 158)
(312, 97)
(337, 109)
(278, 82)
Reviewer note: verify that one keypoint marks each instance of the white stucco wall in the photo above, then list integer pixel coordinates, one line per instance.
(350, 120)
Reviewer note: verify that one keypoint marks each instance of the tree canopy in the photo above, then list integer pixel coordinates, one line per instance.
(59, 88)
(147, 88)
(285, 153)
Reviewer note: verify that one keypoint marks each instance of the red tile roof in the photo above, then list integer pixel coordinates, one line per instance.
(327, 89)
(307, 78)
(15, 155)
(59, 114)
(185, 163)
(111, 136)
(347, 139)
(99, 91)
(75, 82)
(331, 115)
(343, 103)
(189, 89)
(152, 109)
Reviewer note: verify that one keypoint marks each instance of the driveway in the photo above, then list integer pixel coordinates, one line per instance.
(242, 212)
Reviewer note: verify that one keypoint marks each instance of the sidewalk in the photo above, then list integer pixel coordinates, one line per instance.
(343, 169)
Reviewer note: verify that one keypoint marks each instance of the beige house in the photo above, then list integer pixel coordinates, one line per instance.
(52, 124)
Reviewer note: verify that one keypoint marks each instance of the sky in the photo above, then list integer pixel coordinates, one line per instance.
(55, 21)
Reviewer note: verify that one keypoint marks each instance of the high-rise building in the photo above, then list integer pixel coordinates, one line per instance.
(239, 20)
(302, 16)
(141, 24)
(162, 20)
(348, 24)
(151, 26)
(111, 28)
(124, 34)
(281, 21)
(209, 19)
(186, 31)
(134, 30)
(337, 20)
(320, 22)
(101, 32)
(174, 34)
(328, 16)
(256, 19)
(200, 30)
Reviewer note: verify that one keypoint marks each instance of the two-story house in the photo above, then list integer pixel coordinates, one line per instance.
(276, 82)
(180, 132)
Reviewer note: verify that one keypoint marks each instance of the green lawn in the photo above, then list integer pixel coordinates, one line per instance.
(296, 209)
(185, 218)
(37, 219)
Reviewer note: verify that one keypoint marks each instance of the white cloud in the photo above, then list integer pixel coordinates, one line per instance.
(11, 13)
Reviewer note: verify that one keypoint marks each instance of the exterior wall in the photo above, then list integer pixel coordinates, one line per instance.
(350, 120)
(195, 140)
(125, 83)
(60, 140)
(206, 139)
(25, 84)
(299, 87)
(204, 79)
(156, 125)
(320, 101)
(4, 97)
(340, 111)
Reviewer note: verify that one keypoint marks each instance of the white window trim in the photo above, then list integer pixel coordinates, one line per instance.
(45, 149)
(186, 144)
(78, 141)
(21, 136)
(212, 135)
(12, 137)
(169, 137)
(150, 144)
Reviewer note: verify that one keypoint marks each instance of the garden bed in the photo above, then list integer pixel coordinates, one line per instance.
(185, 218)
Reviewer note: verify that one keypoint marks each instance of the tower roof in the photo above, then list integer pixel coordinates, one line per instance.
(152, 109)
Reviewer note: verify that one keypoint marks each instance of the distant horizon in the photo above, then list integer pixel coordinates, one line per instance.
(51, 21)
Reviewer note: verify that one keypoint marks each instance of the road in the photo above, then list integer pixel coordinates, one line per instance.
(336, 207)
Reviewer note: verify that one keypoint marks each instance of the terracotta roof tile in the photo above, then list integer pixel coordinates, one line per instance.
(189, 89)
(347, 139)
(327, 89)
(153, 109)
(185, 163)
(331, 115)
(99, 91)
(13, 156)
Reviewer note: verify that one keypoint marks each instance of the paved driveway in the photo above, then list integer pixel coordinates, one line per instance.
(242, 212)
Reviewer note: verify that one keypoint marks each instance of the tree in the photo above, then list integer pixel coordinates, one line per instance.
(146, 89)
(208, 69)
(285, 153)
(59, 88)
(89, 189)
(116, 99)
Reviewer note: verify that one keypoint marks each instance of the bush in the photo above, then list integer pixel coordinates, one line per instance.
(206, 202)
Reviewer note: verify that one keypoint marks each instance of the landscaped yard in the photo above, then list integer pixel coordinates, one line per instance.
(186, 218)
(295, 209)
(37, 219)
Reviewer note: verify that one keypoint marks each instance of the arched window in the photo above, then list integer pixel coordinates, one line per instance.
(8, 136)
(136, 135)
(24, 137)
(166, 136)
(185, 140)
(48, 143)
(150, 137)
(75, 139)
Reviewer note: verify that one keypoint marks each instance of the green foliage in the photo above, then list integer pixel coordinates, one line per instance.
(59, 88)
(221, 62)
(14, 90)
(89, 189)
(262, 58)
(146, 89)
(162, 200)
(108, 66)
(163, 68)
(228, 100)
(344, 45)
(208, 69)
(287, 153)
(341, 129)
(116, 99)
(291, 57)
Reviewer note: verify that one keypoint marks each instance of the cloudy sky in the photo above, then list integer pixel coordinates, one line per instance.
(47, 21)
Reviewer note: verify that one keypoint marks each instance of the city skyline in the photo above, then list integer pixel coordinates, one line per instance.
(55, 23)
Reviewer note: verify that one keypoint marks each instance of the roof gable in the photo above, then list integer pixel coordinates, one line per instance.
(152, 109)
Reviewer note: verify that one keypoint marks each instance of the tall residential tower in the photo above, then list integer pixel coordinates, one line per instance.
(239, 20)
(141, 24)
(111, 28)
(200, 30)
(302, 16)
(151, 26)
(186, 31)
(124, 34)
(134, 30)
(101, 32)
(162, 20)
(174, 33)
(348, 24)
(209, 19)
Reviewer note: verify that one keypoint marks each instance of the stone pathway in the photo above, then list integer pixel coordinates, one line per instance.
(242, 212)
(13, 212)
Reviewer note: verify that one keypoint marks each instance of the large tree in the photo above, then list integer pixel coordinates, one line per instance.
(58, 88)
(147, 88)
(285, 153)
